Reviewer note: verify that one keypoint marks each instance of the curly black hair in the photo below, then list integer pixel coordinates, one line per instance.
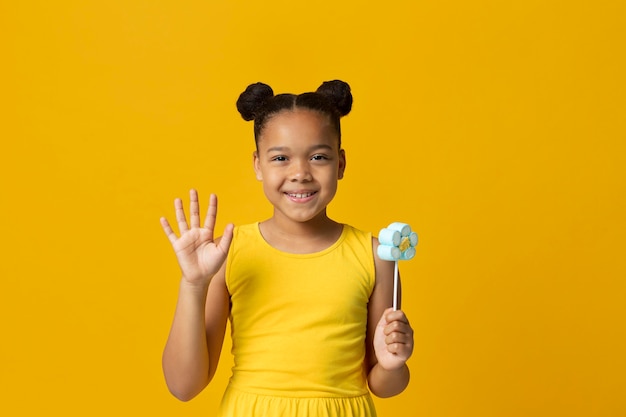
(258, 103)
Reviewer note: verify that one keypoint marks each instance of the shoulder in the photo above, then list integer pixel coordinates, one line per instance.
(351, 232)
(247, 229)
(382, 269)
(371, 241)
(362, 241)
(244, 233)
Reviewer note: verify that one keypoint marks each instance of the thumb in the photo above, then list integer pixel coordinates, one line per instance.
(383, 318)
(227, 238)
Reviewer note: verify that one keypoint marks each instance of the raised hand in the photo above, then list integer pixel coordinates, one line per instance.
(393, 340)
(198, 254)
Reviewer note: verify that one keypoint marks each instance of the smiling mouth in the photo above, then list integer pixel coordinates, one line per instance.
(301, 195)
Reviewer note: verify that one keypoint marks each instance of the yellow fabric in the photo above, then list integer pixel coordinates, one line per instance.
(298, 324)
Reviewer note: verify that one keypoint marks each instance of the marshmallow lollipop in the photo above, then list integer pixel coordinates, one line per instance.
(396, 243)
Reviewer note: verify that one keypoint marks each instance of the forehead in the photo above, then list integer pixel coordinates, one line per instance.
(298, 126)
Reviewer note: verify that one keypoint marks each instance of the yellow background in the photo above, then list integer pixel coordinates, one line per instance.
(495, 128)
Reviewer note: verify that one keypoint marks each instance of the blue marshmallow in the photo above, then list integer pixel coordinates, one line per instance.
(389, 237)
(389, 253)
(403, 228)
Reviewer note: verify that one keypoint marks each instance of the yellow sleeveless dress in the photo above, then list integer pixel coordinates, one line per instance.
(298, 324)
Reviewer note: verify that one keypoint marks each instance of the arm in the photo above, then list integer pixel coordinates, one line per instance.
(194, 344)
(389, 336)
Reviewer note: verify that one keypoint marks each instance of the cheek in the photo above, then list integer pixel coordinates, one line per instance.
(269, 178)
(331, 180)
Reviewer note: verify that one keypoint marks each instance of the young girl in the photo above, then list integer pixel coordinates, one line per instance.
(308, 301)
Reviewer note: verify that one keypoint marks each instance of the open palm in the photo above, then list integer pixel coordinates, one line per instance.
(199, 255)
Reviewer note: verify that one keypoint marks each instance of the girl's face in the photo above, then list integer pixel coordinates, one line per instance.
(299, 161)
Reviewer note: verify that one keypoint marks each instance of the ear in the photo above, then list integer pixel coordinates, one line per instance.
(342, 163)
(256, 165)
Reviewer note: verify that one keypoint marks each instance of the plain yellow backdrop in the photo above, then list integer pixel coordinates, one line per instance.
(495, 128)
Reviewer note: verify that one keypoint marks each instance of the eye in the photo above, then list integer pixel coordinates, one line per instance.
(319, 157)
(279, 158)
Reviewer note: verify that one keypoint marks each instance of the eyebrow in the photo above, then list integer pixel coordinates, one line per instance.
(312, 148)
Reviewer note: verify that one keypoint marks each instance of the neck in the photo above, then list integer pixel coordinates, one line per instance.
(316, 226)
(302, 237)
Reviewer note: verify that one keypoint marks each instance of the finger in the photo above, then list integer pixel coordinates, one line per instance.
(397, 327)
(400, 344)
(389, 316)
(402, 350)
(180, 216)
(168, 230)
(227, 237)
(211, 215)
(396, 315)
(398, 338)
(194, 209)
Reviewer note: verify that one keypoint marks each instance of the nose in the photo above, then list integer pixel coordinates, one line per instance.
(300, 171)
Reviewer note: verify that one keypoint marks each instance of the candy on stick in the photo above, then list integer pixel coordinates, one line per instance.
(396, 243)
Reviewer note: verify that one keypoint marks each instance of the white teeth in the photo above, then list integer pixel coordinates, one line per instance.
(299, 195)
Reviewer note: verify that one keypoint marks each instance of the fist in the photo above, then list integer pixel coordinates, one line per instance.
(393, 340)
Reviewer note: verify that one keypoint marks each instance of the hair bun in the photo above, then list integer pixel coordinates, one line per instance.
(251, 100)
(338, 92)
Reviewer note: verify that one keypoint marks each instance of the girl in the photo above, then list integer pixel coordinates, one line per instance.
(309, 303)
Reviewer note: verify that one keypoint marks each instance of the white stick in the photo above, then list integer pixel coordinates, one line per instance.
(395, 285)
